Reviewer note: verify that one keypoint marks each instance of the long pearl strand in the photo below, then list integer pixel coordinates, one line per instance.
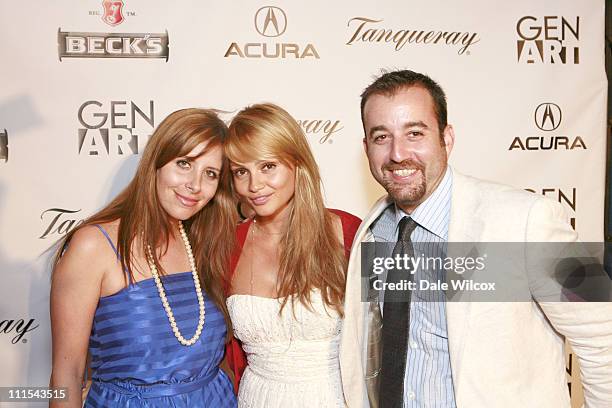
(164, 299)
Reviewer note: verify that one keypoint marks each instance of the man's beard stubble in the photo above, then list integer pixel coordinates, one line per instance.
(405, 195)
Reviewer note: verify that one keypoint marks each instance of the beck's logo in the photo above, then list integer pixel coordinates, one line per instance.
(4, 146)
(113, 12)
(270, 21)
(548, 116)
(112, 45)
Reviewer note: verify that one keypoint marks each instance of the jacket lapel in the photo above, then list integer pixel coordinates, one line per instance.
(464, 226)
(355, 352)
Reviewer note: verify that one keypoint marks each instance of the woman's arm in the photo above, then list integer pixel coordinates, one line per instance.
(75, 290)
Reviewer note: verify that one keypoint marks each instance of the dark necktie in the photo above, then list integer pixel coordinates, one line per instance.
(396, 322)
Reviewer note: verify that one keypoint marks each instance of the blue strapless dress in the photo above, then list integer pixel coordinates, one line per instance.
(137, 361)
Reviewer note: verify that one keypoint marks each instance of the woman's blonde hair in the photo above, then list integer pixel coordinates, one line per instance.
(142, 217)
(312, 257)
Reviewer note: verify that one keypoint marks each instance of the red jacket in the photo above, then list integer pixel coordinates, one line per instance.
(235, 356)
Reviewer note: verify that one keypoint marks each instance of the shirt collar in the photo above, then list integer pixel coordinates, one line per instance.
(433, 214)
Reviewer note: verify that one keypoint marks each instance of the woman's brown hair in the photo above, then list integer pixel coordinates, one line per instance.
(142, 218)
(312, 256)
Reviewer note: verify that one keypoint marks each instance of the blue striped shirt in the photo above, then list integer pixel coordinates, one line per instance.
(428, 380)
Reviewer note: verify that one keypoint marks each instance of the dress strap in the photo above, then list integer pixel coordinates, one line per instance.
(110, 241)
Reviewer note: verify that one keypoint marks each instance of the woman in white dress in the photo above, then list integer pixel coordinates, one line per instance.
(286, 286)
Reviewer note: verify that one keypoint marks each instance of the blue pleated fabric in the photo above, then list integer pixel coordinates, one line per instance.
(137, 361)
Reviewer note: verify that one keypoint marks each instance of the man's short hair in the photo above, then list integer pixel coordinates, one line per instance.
(389, 83)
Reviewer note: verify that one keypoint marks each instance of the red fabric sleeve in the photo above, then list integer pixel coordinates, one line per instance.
(350, 225)
(235, 355)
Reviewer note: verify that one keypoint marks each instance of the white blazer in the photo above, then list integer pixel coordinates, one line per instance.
(502, 354)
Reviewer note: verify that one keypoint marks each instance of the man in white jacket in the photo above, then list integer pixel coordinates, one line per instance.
(458, 354)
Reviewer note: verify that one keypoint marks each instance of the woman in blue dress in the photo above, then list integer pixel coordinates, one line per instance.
(139, 285)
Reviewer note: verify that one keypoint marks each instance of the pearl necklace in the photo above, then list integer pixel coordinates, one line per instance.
(164, 299)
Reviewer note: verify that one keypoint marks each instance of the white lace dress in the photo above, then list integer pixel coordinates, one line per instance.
(292, 361)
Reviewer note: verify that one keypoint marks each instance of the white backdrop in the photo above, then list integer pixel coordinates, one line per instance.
(520, 76)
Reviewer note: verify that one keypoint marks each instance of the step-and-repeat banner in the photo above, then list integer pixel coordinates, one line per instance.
(84, 83)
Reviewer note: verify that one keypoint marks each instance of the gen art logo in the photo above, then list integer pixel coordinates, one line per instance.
(271, 23)
(114, 128)
(566, 196)
(548, 40)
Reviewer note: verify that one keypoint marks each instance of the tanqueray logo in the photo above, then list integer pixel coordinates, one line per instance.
(548, 116)
(270, 21)
(60, 221)
(113, 12)
(16, 329)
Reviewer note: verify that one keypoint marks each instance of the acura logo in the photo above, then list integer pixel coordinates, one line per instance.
(548, 116)
(270, 21)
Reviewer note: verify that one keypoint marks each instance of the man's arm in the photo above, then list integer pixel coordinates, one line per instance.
(587, 326)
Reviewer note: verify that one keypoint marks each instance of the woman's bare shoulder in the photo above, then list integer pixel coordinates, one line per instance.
(88, 247)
